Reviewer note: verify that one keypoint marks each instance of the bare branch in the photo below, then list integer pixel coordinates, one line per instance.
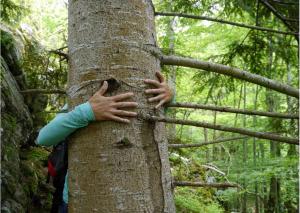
(201, 184)
(214, 168)
(232, 110)
(231, 71)
(43, 91)
(278, 15)
(225, 22)
(263, 135)
(200, 144)
(285, 3)
(60, 53)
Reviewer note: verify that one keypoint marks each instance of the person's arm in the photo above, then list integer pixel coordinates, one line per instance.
(99, 108)
(64, 124)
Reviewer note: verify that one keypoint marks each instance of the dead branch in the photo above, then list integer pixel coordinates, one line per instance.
(281, 17)
(263, 135)
(231, 71)
(201, 184)
(285, 3)
(214, 168)
(196, 145)
(43, 91)
(232, 110)
(225, 22)
(60, 53)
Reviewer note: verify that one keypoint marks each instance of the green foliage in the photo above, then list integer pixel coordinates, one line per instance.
(194, 201)
(11, 12)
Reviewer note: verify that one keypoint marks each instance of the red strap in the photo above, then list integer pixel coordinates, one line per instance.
(51, 169)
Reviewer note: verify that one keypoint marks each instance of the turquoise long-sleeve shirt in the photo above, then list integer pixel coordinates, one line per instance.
(62, 126)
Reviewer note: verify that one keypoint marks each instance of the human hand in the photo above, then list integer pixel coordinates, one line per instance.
(109, 108)
(163, 93)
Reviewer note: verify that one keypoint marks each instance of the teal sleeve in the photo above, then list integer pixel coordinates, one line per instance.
(64, 124)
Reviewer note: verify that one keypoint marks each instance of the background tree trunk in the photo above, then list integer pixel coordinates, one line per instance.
(116, 167)
(273, 205)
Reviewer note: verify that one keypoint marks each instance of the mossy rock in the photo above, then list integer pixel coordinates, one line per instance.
(35, 154)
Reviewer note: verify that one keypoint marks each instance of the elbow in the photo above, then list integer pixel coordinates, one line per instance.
(42, 140)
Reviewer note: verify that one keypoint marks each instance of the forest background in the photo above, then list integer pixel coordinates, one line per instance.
(267, 171)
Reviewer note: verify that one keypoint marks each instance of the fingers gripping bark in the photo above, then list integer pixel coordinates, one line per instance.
(163, 93)
(108, 108)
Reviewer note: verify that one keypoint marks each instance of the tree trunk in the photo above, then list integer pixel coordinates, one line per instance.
(255, 155)
(172, 72)
(273, 205)
(292, 149)
(245, 150)
(115, 167)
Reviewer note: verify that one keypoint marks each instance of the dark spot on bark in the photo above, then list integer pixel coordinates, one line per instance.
(113, 85)
(124, 143)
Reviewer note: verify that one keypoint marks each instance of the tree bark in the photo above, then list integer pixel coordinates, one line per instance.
(233, 72)
(115, 167)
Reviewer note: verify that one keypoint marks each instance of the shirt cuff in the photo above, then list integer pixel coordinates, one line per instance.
(87, 108)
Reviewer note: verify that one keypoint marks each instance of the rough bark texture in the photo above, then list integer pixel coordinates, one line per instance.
(116, 167)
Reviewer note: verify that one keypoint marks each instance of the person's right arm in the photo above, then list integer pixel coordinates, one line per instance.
(99, 108)
(64, 124)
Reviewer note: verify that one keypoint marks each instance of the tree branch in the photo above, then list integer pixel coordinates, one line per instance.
(196, 145)
(43, 91)
(230, 71)
(278, 15)
(225, 22)
(232, 110)
(263, 135)
(60, 53)
(285, 3)
(213, 168)
(201, 184)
